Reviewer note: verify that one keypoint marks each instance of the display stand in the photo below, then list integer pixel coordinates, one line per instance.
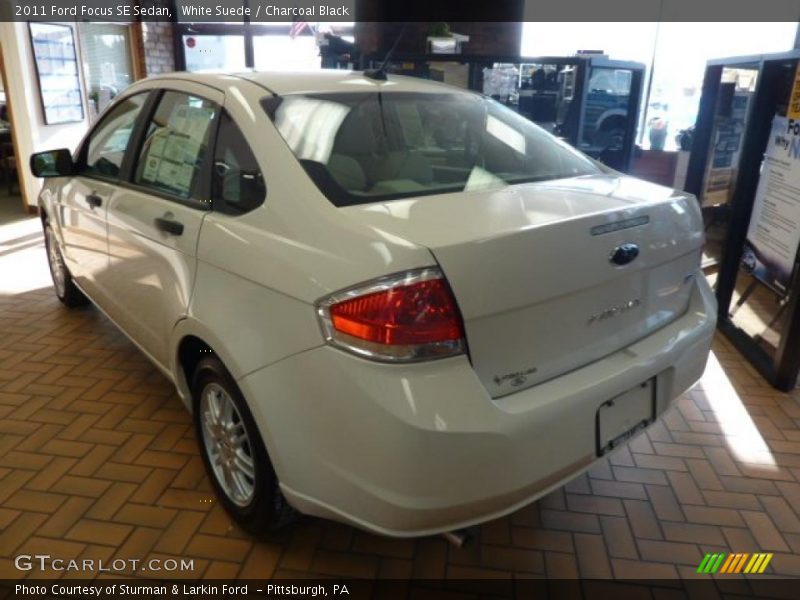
(779, 361)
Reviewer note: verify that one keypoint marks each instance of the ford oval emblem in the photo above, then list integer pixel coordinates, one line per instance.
(624, 254)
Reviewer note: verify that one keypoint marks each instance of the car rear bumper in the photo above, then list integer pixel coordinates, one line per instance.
(408, 450)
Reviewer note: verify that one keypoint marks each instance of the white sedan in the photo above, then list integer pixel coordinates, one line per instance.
(387, 302)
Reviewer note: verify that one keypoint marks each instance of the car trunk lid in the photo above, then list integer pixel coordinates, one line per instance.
(530, 268)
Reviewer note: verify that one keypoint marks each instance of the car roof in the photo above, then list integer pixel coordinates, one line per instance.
(316, 81)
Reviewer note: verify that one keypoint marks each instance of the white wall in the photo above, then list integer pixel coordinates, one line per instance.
(32, 135)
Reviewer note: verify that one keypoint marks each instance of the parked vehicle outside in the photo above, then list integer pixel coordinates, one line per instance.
(393, 303)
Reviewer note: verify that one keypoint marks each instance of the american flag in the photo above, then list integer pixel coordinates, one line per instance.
(297, 28)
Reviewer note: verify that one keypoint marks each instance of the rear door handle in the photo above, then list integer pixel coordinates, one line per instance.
(169, 225)
(94, 200)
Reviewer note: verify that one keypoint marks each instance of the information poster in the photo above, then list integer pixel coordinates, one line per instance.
(774, 232)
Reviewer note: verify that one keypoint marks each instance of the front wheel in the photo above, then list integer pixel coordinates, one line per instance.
(233, 452)
(65, 287)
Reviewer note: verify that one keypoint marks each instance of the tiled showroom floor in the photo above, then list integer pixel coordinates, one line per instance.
(98, 459)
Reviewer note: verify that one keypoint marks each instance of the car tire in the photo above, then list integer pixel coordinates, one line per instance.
(234, 453)
(610, 138)
(64, 286)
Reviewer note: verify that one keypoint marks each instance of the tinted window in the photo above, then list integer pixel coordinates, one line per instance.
(237, 182)
(368, 147)
(175, 144)
(108, 141)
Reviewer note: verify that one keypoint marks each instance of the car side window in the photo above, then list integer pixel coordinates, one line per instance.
(109, 140)
(237, 182)
(175, 144)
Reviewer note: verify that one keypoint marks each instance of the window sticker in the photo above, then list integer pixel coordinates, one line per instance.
(175, 150)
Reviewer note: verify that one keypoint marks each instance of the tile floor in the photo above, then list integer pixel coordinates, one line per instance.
(98, 460)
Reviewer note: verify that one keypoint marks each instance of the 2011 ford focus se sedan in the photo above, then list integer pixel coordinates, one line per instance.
(391, 303)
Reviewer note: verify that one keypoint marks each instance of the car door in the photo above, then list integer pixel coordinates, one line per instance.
(154, 222)
(82, 205)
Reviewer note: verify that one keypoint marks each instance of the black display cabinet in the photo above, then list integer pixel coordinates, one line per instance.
(743, 100)
(589, 100)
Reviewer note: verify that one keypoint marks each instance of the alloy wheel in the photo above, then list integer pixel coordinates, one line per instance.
(227, 445)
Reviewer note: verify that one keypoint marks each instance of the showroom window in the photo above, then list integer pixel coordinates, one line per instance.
(675, 55)
(107, 65)
(213, 53)
(680, 62)
(285, 53)
(235, 46)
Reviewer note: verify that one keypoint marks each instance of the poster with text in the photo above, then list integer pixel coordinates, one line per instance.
(723, 161)
(774, 232)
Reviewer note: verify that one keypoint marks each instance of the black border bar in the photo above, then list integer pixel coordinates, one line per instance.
(451, 11)
(528, 587)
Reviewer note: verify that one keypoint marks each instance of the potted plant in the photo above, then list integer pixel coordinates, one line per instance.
(443, 41)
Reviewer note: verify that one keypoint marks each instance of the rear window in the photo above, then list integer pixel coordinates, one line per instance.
(369, 146)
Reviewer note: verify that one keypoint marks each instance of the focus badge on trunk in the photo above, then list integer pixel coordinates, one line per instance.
(624, 254)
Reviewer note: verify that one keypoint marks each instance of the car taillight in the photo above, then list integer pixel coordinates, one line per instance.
(405, 317)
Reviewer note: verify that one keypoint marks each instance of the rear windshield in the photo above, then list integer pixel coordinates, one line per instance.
(373, 146)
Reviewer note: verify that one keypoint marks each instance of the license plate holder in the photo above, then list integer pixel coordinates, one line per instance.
(622, 417)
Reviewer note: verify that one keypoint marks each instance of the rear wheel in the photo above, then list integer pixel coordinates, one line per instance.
(234, 453)
(65, 287)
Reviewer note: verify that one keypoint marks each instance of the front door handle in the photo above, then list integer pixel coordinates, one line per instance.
(94, 200)
(169, 225)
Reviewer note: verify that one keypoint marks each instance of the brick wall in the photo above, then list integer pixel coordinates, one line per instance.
(157, 48)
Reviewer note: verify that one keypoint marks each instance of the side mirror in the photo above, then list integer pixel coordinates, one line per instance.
(53, 163)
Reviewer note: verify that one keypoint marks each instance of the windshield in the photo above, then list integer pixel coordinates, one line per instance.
(368, 147)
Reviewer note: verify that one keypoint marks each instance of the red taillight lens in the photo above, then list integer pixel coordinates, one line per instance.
(408, 317)
(420, 313)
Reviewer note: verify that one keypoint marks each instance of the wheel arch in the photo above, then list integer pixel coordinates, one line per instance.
(191, 343)
(610, 118)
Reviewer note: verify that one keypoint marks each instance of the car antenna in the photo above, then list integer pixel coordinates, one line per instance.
(379, 74)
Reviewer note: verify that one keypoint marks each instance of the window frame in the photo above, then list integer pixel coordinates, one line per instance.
(200, 198)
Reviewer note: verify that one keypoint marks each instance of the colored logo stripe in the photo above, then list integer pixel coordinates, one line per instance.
(711, 563)
(738, 562)
(727, 565)
(759, 563)
(754, 563)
